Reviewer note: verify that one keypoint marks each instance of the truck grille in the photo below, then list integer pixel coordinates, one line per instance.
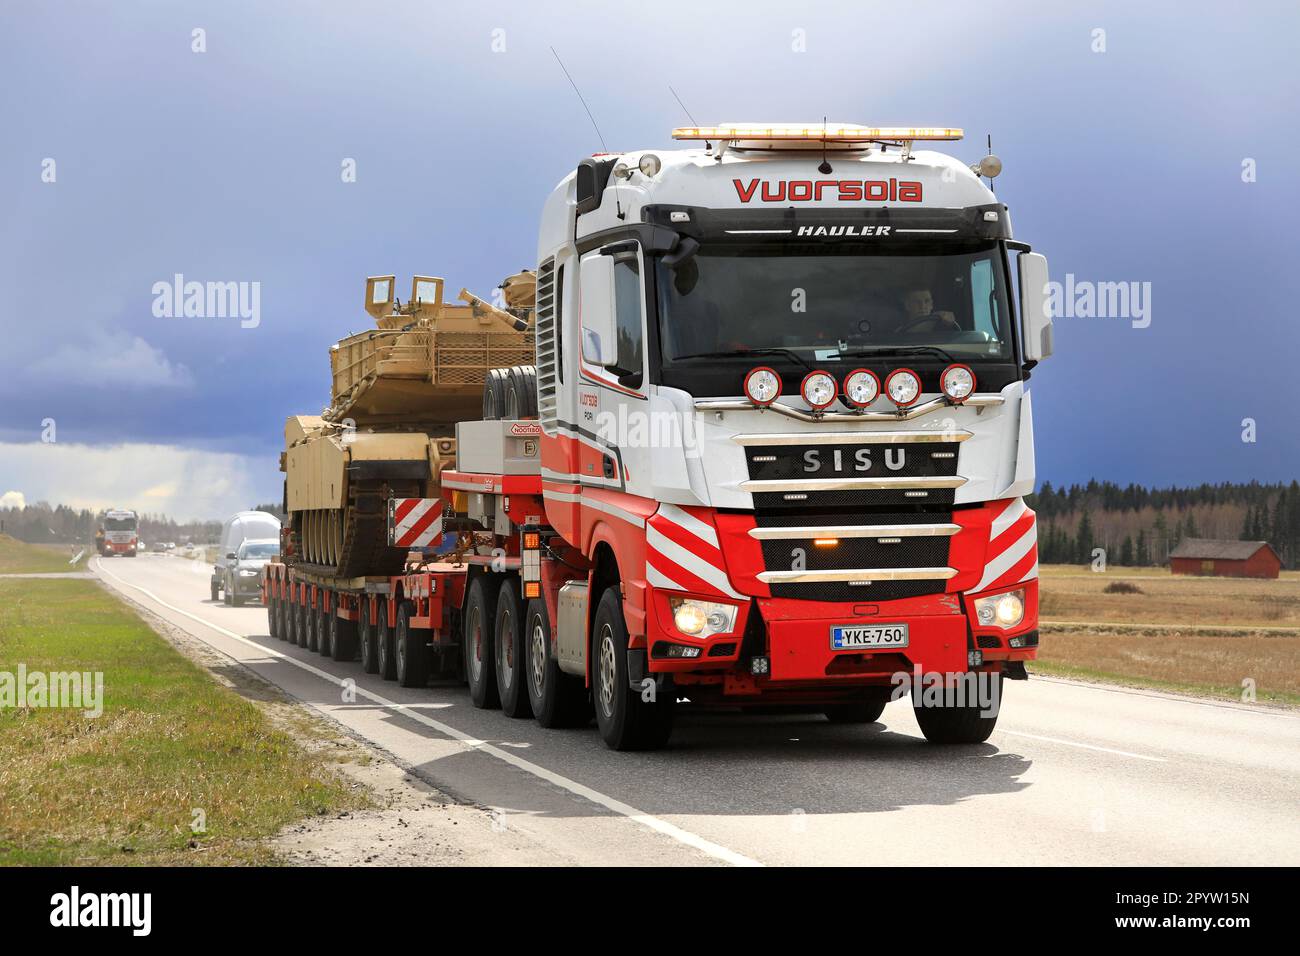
(903, 460)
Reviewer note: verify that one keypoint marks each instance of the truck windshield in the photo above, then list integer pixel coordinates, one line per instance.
(119, 524)
(832, 303)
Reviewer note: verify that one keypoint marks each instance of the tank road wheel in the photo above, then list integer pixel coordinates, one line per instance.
(626, 721)
(476, 644)
(366, 638)
(864, 711)
(557, 699)
(384, 641)
(957, 725)
(343, 642)
(411, 650)
(508, 651)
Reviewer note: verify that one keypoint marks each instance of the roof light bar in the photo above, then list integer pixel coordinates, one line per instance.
(839, 133)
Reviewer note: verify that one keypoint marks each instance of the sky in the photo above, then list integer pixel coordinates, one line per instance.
(1160, 150)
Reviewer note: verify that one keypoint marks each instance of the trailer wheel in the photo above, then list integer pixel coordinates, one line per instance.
(508, 651)
(344, 642)
(627, 721)
(557, 699)
(313, 621)
(366, 638)
(412, 656)
(325, 625)
(957, 725)
(476, 644)
(303, 625)
(272, 620)
(864, 711)
(285, 614)
(384, 643)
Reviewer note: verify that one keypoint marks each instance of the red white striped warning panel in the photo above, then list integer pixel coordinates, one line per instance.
(683, 554)
(1013, 547)
(414, 522)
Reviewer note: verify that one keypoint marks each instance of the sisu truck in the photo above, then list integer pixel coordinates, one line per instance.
(120, 534)
(776, 456)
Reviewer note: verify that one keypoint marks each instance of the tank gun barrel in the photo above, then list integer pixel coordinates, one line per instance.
(481, 308)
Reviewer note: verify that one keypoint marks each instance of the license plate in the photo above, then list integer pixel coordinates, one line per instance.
(871, 636)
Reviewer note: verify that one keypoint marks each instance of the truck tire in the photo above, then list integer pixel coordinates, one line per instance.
(476, 643)
(384, 651)
(302, 619)
(957, 725)
(366, 638)
(411, 653)
(284, 630)
(626, 721)
(864, 711)
(313, 627)
(557, 699)
(521, 392)
(494, 394)
(508, 651)
(343, 642)
(272, 622)
(325, 625)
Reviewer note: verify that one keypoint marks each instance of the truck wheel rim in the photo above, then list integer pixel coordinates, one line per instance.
(538, 669)
(476, 644)
(607, 671)
(506, 650)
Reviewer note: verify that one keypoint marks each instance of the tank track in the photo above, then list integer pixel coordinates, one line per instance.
(365, 551)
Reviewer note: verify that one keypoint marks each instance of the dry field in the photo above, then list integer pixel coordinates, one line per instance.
(1222, 637)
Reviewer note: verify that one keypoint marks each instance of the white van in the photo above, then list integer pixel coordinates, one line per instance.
(240, 527)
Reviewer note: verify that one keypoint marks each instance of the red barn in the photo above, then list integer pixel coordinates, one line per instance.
(1229, 559)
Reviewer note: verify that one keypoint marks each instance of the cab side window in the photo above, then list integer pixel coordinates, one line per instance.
(628, 302)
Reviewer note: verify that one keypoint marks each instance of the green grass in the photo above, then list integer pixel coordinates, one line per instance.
(123, 788)
(1225, 693)
(17, 557)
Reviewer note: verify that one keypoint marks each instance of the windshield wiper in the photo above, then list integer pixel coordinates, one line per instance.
(788, 353)
(909, 350)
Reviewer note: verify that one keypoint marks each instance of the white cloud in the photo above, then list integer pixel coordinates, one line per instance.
(13, 499)
(183, 483)
(118, 358)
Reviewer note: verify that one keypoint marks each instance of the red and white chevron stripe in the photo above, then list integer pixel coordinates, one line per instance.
(414, 522)
(1012, 555)
(682, 553)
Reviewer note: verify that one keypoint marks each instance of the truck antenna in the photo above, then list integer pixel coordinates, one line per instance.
(825, 167)
(603, 147)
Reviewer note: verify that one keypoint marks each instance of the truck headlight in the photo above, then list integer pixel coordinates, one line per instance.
(1001, 610)
(702, 618)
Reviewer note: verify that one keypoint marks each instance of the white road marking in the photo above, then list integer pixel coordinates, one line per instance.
(1073, 743)
(616, 806)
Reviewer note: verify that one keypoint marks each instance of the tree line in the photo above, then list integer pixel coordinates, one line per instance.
(43, 523)
(1138, 526)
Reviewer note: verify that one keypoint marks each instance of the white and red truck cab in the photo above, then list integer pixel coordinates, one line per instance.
(780, 455)
(121, 533)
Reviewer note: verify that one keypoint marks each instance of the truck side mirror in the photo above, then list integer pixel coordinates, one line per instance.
(596, 310)
(231, 556)
(1035, 307)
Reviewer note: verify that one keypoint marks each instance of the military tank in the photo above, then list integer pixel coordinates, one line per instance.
(389, 430)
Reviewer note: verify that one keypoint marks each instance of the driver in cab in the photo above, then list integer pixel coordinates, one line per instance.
(919, 314)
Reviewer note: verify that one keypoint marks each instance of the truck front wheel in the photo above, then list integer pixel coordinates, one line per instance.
(959, 724)
(476, 643)
(508, 658)
(558, 699)
(412, 653)
(629, 719)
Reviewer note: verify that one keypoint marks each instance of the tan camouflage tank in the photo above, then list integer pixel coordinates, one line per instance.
(398, 391)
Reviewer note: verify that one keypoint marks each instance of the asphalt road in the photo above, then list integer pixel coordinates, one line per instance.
(1074, 775)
